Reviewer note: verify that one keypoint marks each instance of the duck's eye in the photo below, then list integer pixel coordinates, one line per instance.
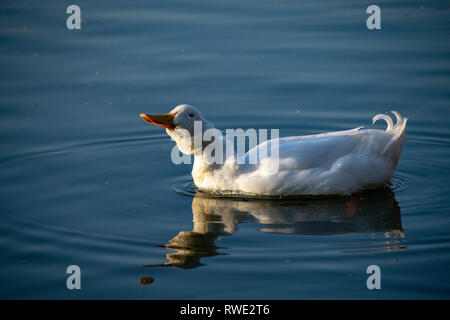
(191, 115)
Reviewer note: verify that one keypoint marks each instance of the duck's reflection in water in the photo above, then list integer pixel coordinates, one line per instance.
(375, 211)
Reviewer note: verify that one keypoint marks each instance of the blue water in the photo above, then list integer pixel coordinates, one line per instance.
(85, 181)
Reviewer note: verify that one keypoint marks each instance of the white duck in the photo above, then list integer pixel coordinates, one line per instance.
(335, 163)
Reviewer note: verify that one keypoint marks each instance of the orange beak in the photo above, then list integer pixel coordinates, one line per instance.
(162, 120)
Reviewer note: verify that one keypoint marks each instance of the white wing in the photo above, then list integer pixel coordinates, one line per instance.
(341, 162)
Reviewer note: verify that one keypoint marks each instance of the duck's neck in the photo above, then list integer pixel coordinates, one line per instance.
(210, 162)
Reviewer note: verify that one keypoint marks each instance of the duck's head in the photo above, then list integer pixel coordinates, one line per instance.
(179, 124)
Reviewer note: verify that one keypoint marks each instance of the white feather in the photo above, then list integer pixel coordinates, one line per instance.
(342, 163)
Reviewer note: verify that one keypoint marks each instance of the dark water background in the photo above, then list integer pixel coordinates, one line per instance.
(85, 181)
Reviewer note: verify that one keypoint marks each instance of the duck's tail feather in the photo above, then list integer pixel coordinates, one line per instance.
(394, 147)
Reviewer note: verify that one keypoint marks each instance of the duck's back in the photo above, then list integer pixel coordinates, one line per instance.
(341, 162)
